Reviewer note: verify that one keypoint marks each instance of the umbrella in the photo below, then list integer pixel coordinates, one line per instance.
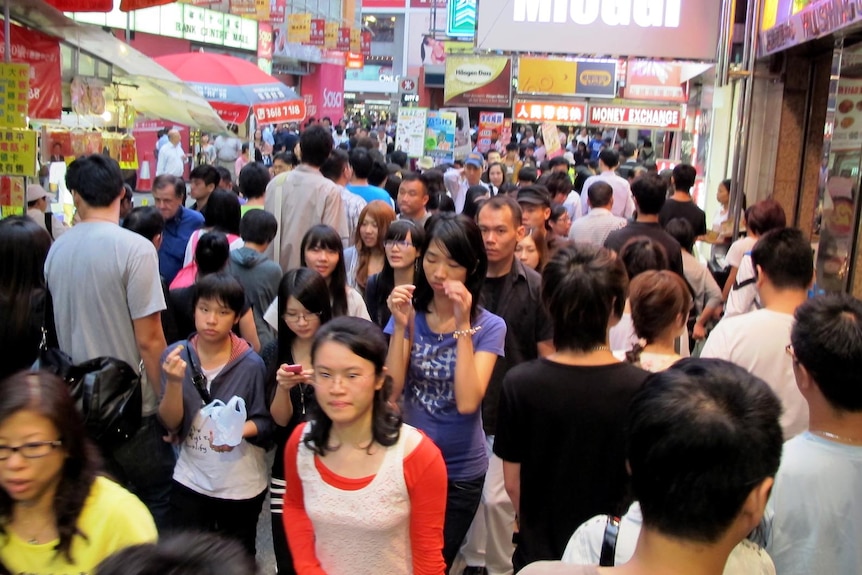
(234, 87)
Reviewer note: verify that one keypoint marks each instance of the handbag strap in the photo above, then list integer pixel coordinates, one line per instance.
(609, 542)
(199, 380)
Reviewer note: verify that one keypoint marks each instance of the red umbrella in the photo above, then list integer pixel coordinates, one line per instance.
(234, 86)
(104, 5)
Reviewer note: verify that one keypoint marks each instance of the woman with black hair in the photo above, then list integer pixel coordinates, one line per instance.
(223, 214)
(57, 514)
(303, 307)
(23, 295)
(365, 493)
(441, 354)
(402, 244)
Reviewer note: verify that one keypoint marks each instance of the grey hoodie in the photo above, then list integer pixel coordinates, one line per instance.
(259, 277)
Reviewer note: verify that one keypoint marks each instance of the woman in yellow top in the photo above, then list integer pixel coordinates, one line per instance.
(57, 515)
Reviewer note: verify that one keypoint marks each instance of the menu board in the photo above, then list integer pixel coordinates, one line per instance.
(847, 132)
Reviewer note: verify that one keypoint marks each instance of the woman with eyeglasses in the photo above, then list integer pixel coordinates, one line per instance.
(366, 494)
(58, 515)
(402, 244)
(303, 307)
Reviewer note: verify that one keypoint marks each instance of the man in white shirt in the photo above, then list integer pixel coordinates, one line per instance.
(758, 340)
(38, 204)
(813, 521)
(623, 205)
(458, 181)
(172, 157)
(595, 227)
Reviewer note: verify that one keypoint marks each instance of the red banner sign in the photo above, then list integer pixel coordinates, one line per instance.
(278, 113)
(276, 11)
(42, 52)
(653, 80)
(669, 118)
(343, 43)
(557, 112)
(365, 43)
(318, 32)
(264, 41)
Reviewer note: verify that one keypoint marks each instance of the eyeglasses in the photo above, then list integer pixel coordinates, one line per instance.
(294, 317)
(402, 244)
(33, 450)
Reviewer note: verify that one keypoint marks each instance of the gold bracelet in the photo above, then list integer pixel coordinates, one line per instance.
(472, 331)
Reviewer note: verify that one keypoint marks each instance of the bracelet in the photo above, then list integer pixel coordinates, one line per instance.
(472, 331)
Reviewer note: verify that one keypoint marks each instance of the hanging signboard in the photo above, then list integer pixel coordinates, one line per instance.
(410, 133)
(277, 11)
(12, 196)
(622, 115)
(557, 77)
(298, 28)
(330, 35)
(18, 152)
(317, 32)
(557, 112)
(44, 85)
(343, 43)
(14, 88)
(478, 81)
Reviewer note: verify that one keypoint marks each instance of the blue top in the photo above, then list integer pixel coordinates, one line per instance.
(371, 193)
(595, 147)
(429, 393)
(176, 236)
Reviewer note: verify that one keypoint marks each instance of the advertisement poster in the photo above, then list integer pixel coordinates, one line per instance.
(478, 81)
(551, 136)
(847, 131)
(556, 77)
(424, 49)
(42, 53)
(11, 196)
(489, 122)
(410, 134)
(323, 92)
(463, 146)
(440, 136)
(14, 86)
(298, 28)
(18, 152)
(653, 80)
(556, 112)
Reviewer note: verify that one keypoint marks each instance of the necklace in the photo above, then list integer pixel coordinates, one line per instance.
(37, 534)
(835, 437)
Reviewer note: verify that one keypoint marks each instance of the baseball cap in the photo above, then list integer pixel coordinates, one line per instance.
(37, 192)
(537, 195)
(474, 159)
(425, 163)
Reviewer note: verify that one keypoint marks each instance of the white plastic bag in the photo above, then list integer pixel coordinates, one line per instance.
(228, 419)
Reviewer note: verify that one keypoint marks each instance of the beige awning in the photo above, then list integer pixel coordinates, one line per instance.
(152, 90)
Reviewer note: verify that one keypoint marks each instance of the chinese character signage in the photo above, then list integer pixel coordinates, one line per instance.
(489, 122)
(44, 97)
(298, 28)
(365, 40)
(356, 40)
(276, 11)
(847, 131)
(478, 81)
(317, 35)
(592, 78)
(410, 131)
(18, 152)
(343, 44)
(560, 113)
(330, 35)
(11, 197)
(620, 115)
(14, 87)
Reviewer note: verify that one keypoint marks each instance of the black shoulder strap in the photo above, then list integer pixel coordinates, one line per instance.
(49, 223)
(609, 542)
(199, 380)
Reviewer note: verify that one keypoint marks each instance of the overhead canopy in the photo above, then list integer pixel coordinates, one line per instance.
(152, 90)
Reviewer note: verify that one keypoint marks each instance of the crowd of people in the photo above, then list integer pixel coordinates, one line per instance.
(502, 365)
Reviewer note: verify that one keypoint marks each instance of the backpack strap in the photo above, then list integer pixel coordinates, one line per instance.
(609, 542)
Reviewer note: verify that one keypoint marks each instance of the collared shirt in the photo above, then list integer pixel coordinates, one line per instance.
(227, 148)
(175, 237)
(624, 205)
(457, 185)
(353, 206)
(595, 227)
(172, 160)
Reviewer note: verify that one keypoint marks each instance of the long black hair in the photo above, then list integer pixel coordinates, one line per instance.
(23, 249)
(308, 288)
(364, 339)
(399, 230)
(325, 237)
(47, 395)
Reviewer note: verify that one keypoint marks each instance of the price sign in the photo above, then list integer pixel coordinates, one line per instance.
(18, 153)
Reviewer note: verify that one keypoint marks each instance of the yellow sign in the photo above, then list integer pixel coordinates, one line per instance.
(544, 76)
(12, 197)
(355, 40)
(298, 28)
(18, 152)
(330, 41)
(14, 92)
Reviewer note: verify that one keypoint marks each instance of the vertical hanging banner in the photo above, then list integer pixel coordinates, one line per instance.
(12, 196)
(317, 34)
(343, 44)
(14, 88)
(42, 53)
(298, 28)
(330, 35)
(410, 131)
(365, 40)
(242, 7)
(277, 9)
(356, 40)
(440, 136)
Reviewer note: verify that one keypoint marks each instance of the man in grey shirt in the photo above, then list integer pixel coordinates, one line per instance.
(108, 300)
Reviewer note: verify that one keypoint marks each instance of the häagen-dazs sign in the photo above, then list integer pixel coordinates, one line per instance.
(683, 29)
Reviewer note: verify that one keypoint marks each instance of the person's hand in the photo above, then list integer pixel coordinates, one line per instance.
(219, 448)
(463, 300)
(699, 332)
(287, 380)
(400, 303)
(174, 365)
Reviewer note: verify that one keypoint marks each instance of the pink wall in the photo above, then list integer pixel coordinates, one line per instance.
(323, 92)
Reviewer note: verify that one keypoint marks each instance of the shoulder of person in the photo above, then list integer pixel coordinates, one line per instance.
(115, 505)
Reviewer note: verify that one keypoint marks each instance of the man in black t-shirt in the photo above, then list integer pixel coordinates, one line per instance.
(680, 204)
(513, 292)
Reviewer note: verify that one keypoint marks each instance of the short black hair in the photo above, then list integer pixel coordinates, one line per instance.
(558, 161)
(609, 158)
(558, 183)
(146, 221)
(258, 227)
(315, 145)
(627, 150)
(650, 193)
(223, 212)
(379, 171)
(223, 175)
(399, 157)
(211, 253)
(209, 175)
(600, 194)
(582, 287)
(96, 178)
(681, 230)
(764, 216)
(785, 257)
(221, 287)
(415, 177)
(684, 176)
(253, 179)
(440, 202)
(641, 253)
(334, 165)
(528, 174)
(287, 157)
(701, 436)
(361, 162)
(827, 341)
(503, 201)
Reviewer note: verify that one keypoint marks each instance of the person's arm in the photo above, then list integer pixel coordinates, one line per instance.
(171, 405)
(512, 481)
(401, 305)
(425, 475)
(161, 161)
(150, 339)
(297, 524)
(248, 330)
(731, 279)
(712, 307)
(281, 407)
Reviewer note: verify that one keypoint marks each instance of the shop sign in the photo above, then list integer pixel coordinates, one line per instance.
(618, 115)
(323, 91)
(488, 123)
(440, 136)
(18, 152)
(14, 87)
(299, 28)
(317, 32)
(556, 112)
(356, 40)
(650, 28)
(264, 42)
(410, 131)
(847, 128)
(343, 42)
(355, 61)
(330, 35)
(277, 113)
(409, 100)
(478, 81)
(11, 197)
(461, 18)
(277, 9)
(42, 54)
(555, 77)
(365, 41)
(816, 20)
(653, 80)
